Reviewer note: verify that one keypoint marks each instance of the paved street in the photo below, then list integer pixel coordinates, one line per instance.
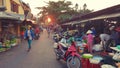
(40, 56)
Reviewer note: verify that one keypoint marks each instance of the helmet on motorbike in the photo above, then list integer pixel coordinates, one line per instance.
(55, 32)
(69, 35)
(71, 39)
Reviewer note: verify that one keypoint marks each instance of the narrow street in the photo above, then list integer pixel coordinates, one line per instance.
(40, 56)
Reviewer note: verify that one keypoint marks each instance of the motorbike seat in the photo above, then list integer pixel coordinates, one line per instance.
(64, 46)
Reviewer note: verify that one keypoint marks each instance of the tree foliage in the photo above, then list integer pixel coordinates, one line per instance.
(60, 11)
(84, 10)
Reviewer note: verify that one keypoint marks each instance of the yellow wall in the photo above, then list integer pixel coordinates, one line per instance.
(21, 11)
(1, 3)
(17, 1)
(8, 6)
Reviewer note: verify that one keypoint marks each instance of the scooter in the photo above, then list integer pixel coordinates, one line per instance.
(55, 38)
(68, 54)
(37, 36)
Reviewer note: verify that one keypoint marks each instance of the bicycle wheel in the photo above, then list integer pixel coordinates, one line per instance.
(73, 62)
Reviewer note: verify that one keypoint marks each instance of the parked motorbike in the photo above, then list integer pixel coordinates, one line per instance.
(56, 38)
(37, 36)
(68, 54)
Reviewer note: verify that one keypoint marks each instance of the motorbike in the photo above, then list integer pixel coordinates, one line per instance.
(56, 38)
(68, 54)
(37, 36)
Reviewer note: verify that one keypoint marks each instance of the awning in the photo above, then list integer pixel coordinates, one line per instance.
(19, 16)
(106, 16)
(72, 23)
(31, 22)
(67, 23)
(84, 20)
(102, 17)
(4, 15)
(95, 18)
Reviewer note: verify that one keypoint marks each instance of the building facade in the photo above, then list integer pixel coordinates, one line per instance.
(11, 17)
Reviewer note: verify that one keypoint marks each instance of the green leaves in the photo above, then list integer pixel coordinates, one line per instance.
(64, 17)
(60, 10)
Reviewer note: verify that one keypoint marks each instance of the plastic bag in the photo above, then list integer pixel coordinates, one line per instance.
(107, 66)
(117, 56)
(97, 47)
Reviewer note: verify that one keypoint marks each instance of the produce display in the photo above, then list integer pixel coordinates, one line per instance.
(87, 56)
(7, 44)
(96, 59)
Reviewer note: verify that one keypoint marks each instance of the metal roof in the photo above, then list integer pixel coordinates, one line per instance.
(110, 12)
(102, 17)
(94, 18)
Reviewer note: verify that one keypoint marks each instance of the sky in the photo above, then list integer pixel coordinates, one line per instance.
(91, 4)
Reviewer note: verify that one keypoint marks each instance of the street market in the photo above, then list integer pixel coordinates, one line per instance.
(59, 36)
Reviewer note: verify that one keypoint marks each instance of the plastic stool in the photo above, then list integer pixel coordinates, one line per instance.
(95, 66)
(85, 61)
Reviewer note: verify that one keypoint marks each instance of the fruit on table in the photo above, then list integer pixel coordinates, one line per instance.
(87, 56)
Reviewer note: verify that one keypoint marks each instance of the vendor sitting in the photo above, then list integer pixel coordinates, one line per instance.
(113, 58)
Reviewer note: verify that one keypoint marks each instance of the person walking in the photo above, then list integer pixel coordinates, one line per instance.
(37, 32)
(22, 35)
(29, 36)
(48, 30)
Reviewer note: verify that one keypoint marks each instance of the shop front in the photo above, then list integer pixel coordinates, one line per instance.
(9, 31)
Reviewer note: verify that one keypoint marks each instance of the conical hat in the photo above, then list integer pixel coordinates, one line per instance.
(88, 32)
(29, 26)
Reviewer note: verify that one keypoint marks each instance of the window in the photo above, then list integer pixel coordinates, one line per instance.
(14, 6)
(1, 2)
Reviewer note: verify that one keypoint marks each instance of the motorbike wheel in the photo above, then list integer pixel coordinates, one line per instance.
(73, 62)
(57, 54)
